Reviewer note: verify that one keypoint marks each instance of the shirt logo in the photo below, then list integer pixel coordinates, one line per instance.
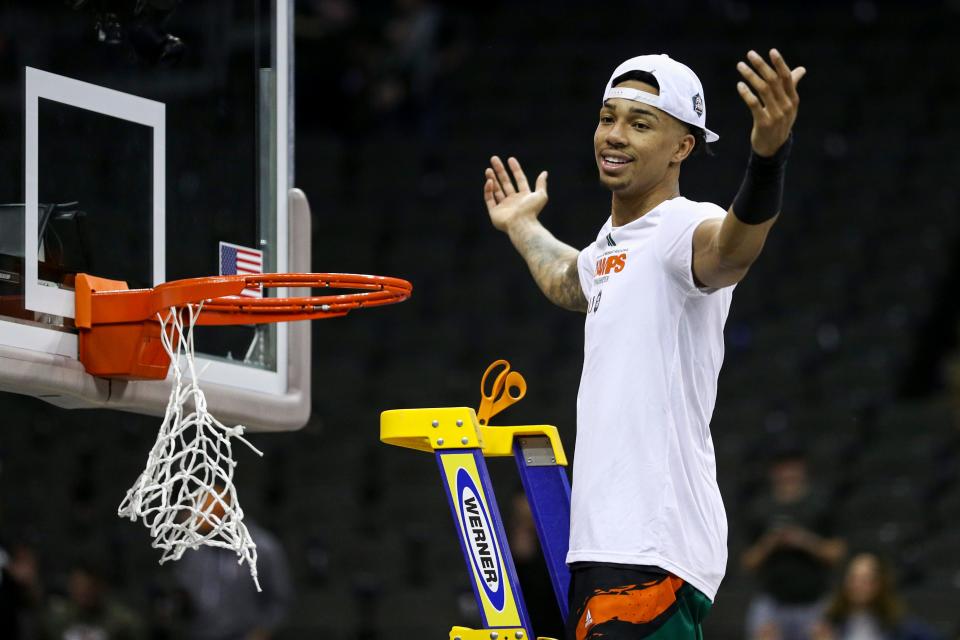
(615, 263)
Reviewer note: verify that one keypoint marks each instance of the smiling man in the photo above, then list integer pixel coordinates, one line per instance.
(648, 539)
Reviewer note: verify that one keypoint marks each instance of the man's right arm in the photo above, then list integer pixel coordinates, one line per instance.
(552, 263)
(514, 209)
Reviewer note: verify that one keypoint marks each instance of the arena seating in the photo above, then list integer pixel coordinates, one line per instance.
(818, 339)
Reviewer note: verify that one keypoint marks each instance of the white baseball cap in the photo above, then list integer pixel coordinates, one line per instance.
(681, 94)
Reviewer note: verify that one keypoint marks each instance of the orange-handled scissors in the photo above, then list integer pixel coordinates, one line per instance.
(508, 388)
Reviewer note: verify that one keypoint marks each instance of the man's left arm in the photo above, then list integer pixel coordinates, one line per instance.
(725, 248)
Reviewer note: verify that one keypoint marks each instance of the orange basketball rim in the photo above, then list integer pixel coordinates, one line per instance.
(120, 327)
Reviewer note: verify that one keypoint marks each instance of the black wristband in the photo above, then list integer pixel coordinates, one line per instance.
(761, 193)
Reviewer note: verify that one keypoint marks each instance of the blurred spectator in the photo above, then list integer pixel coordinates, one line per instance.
(379, 69)
(532, 570)
(423, 49)
(20, 591)
(222, 602)
(410, 66)
(89, 612)
(866, 606)
(792, 553)
(953, 382)
(331, 89)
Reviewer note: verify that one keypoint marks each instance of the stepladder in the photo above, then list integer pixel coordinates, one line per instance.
(461, 439)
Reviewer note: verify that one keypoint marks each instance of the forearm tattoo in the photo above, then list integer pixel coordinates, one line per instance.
(553, 265)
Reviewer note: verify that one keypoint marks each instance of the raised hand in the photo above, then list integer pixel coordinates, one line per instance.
(507, 202)
(773, 100)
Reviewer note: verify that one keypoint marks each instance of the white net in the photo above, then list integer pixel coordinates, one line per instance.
(185, 495)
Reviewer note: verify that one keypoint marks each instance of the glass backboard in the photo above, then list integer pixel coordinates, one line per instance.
(146, 141)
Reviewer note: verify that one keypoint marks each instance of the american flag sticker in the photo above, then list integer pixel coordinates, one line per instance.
(242, 261)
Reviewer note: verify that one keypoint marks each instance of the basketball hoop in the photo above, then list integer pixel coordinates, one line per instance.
(120, 328)
(185, 495)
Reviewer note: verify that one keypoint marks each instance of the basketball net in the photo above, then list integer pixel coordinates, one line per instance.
(185, 495)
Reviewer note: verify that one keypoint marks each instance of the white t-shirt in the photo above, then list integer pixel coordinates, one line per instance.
(644, 482)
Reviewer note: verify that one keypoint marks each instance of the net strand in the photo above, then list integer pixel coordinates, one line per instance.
(187, 484)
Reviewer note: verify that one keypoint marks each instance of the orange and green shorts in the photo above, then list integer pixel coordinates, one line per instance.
(621, 602)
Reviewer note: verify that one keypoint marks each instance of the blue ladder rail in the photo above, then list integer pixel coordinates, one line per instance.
(460, 445)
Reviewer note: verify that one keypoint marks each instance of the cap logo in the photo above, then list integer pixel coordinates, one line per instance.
(698, 104)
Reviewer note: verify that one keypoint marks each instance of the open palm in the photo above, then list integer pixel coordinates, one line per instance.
(775, 110)
(508, 203)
